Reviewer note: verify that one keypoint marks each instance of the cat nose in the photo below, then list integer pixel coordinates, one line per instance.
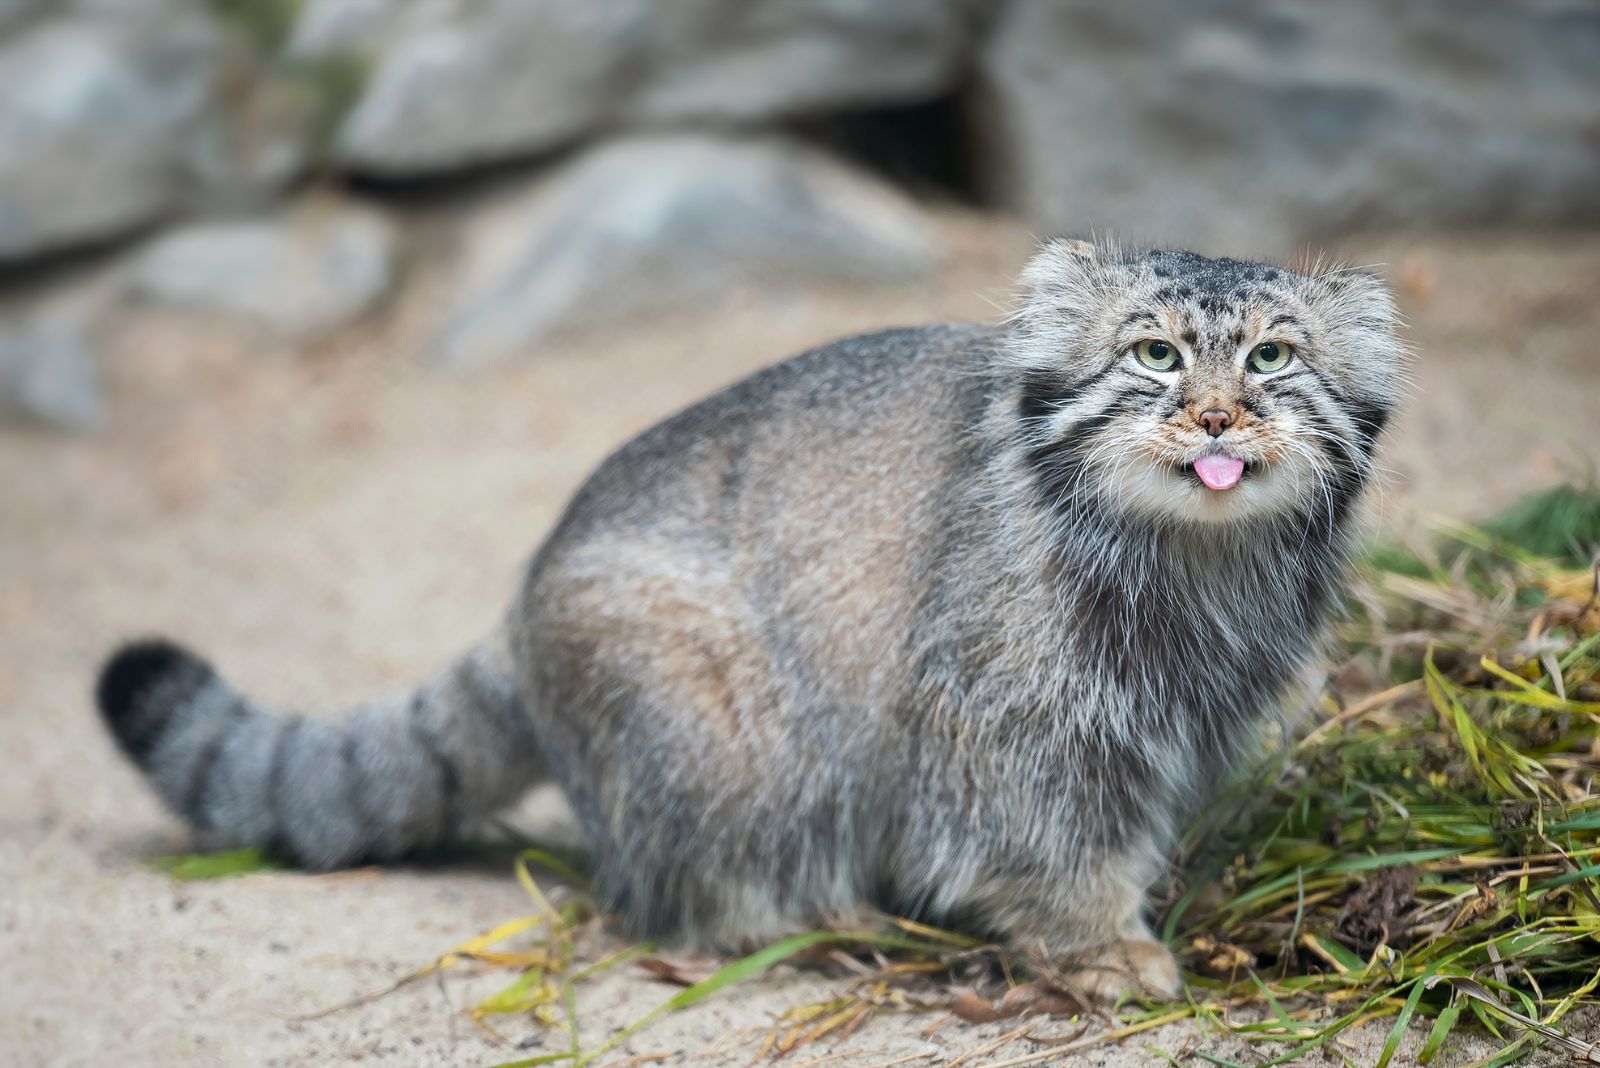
(1215, 420)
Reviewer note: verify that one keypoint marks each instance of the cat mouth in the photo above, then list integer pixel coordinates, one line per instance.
(1217, 472)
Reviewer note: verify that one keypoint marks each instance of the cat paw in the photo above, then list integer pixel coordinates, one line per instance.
(1106, 973)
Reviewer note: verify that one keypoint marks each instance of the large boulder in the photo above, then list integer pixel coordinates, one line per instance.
(95, 112)
(14, 12)
(326, 29)
(296, 278)
(671, 222)
(1248, 126)
(453, 84)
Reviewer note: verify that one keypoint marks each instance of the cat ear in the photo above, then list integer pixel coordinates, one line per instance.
(1063, 267)
(1075, 246)
(1357, 297)
(1359, 313)
(1061, 290)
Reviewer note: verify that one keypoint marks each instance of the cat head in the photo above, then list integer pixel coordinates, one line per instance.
(1174, 387)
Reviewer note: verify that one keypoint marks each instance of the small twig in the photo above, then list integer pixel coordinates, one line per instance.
(825, 1058)
(1361, 708)
(1095, 1040)
(1004, 1040)
(1499, 965)
(907, 1059)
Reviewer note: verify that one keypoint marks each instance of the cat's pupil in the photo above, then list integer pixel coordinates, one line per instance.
(1159, 351)
(1268, 353)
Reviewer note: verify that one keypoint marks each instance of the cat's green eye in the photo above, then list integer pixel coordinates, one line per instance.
(1271, 356)
(1157, 355)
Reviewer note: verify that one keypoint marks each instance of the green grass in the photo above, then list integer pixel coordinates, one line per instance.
(1426, 851)
(1561, 523)
(267, 23)
(187, 867)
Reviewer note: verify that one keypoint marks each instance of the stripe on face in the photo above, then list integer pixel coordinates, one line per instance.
(1367, 418)
(1354, 425)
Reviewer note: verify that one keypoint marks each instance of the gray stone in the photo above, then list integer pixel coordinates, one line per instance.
(94, 112)
(331, 28)
(492, 82)
(297, 279)
(14, 12)
(1256, 127)
(49, 374)
(456, 84)
(749, 60)
(671, 221)
(256, 147)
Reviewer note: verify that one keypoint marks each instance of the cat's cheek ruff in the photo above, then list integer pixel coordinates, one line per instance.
(1145, 489)
(1133, 473)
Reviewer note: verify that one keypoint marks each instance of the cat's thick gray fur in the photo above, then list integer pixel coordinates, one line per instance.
(930, 619)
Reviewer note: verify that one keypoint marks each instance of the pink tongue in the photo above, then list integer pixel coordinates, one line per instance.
(1219, 472)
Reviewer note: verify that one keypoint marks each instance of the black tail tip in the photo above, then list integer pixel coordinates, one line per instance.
(129, 677)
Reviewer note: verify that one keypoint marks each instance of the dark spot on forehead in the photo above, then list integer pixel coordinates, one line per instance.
(1186, 274)
(1237, 337)
(1190, 336)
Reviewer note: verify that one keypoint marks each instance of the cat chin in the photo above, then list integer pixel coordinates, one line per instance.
(1163, 492)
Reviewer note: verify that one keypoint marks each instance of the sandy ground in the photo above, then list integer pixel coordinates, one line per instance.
(329, 526)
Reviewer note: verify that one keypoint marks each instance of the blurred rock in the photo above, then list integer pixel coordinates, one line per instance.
(453, 85)
(515, 76)
(328, 28)
(297, 278)
(672, 221)
(262, 132)
(14, 12)
(49, 374)
(94, 112)
(1253, 127)
(249, 157)
(752, 60)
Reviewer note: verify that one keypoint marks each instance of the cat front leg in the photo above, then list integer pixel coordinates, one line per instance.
(1090, 928)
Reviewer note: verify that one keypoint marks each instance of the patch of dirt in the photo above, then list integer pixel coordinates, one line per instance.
(1376, 913)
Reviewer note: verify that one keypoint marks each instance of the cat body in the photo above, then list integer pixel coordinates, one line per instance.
(952, 621)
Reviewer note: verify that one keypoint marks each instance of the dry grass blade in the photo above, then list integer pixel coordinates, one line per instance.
(1585, 1051)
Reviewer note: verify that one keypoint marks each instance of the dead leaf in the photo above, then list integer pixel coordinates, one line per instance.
(1218, 959)
(1030, 999)
(1377, 912)
(685, 972)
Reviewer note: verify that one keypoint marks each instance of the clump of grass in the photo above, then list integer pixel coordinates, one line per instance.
(1432, 848)
(1428, 848)
(1445, 832)
(1561, 523)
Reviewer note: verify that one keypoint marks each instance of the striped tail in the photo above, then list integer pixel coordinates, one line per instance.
(393, 776)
